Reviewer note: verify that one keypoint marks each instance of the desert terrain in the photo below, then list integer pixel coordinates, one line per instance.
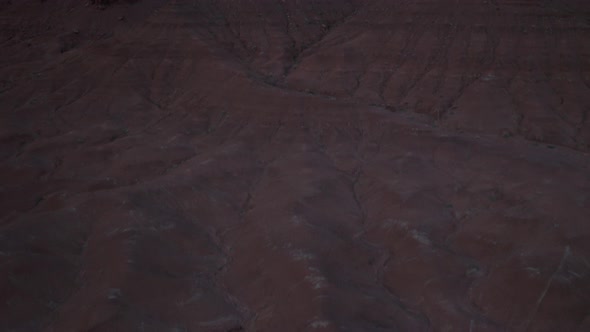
(295, 165)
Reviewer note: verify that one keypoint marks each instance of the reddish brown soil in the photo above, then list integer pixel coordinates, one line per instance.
(278, 165)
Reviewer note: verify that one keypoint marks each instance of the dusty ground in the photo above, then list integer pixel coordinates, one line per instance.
(295, 165)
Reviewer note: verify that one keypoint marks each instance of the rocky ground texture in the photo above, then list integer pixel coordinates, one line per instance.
(274, 165)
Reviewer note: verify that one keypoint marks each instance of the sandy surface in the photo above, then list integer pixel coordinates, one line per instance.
(295, 165)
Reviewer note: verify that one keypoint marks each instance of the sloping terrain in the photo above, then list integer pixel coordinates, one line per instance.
(295, 165)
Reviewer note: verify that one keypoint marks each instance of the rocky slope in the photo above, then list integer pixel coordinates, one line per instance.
(295, 166)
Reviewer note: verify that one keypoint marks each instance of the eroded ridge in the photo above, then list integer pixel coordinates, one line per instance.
(294, 166)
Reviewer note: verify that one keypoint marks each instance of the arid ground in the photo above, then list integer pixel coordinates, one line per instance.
(295, 165)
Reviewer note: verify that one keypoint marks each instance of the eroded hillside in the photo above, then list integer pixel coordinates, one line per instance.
(294, 165)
